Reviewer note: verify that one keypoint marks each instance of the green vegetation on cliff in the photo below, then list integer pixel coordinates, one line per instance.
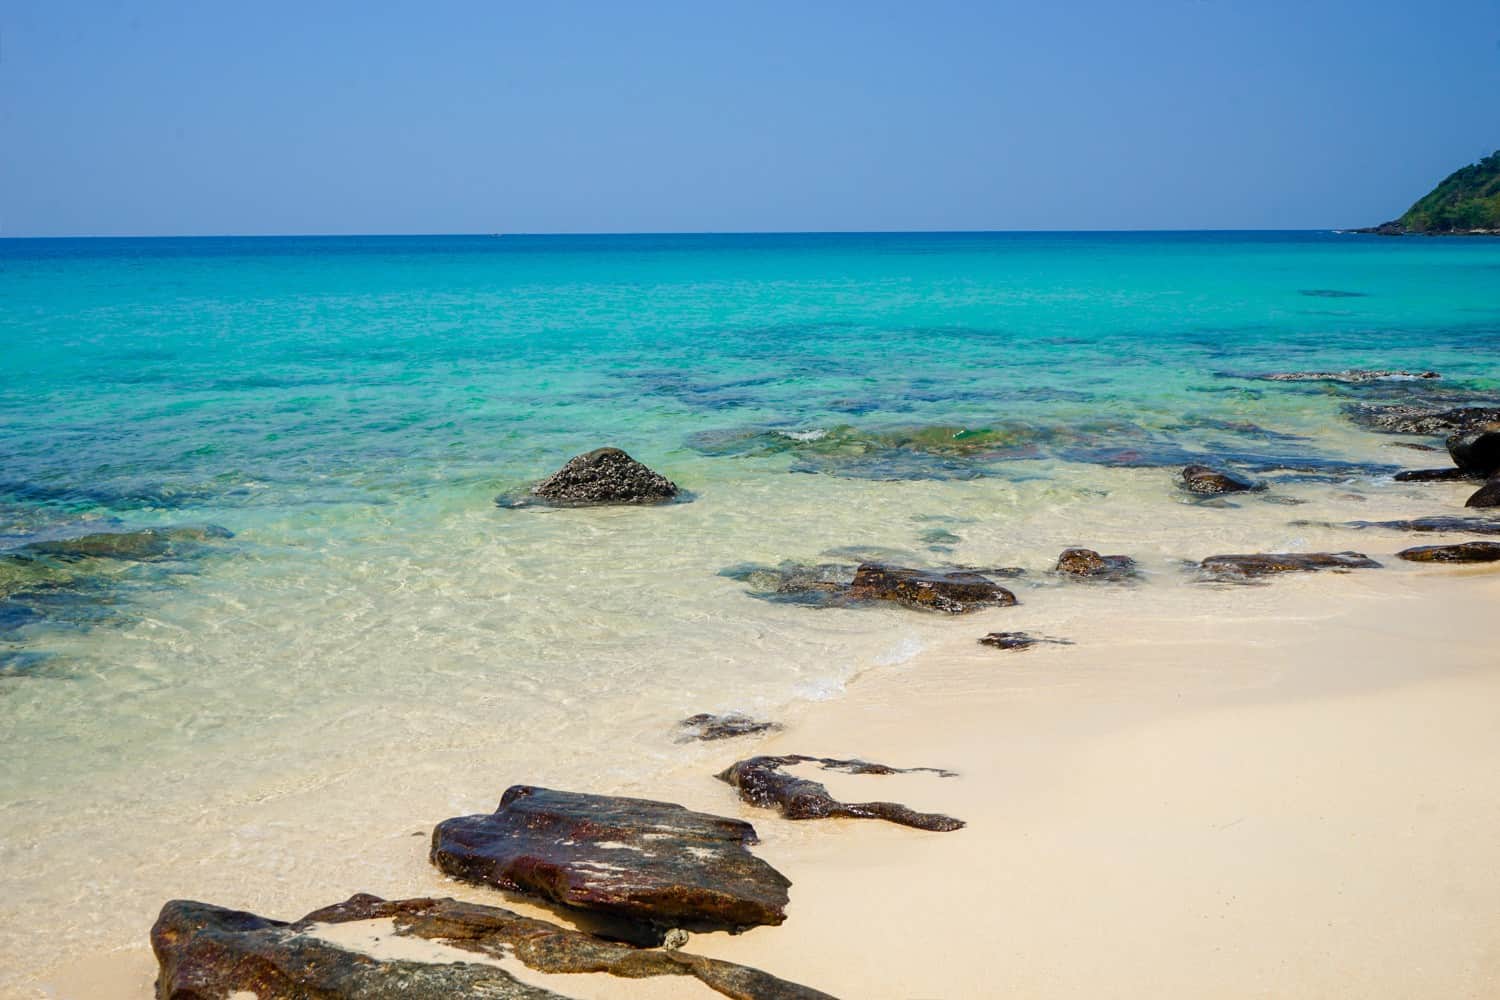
(1466, 201)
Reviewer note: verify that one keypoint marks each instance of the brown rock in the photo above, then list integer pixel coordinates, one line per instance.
(761, 782)
(1234, 567)
(207, 951)
(1019, 640)
(652, 865)
(705, 726)
(1461, 552)
(1205, 480)
(1087, 564)
(952, 591)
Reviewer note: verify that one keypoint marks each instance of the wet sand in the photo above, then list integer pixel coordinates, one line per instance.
(1286, 790)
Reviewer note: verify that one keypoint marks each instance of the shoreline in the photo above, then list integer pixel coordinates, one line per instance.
(1238, 790)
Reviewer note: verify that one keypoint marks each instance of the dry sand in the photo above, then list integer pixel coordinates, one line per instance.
(1279, 791)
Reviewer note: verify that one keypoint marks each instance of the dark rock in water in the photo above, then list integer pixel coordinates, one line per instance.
(1203, 479)
(817, 585)
(653, 865)
(1405, 418)
(939, 537)
(1487, 495)
(1086, 564)
(207, 951)
(1019, 640)
(1413, 445)
(1476, 452)
(762, 782)
(1003, 572)
(1351, 376)
(1462, 552)
(833, 585)
(1434, 476)
(952, 591)
(1466, 525)
(1236, 567)
(705, 726)
(604, 476)
(144, 545)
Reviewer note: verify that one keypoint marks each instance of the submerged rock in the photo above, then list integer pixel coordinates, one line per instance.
(335, 953)
(1476, 452)
(1351, 376)
(1203, 479)
(143, 545)
(1406, 418)
(762, 782)
(1487, 495)
(705, 726)
(819, 584)
(1467, 525)
(1461, 552)
(1235, 567)
(86, 580)
(1086, 564)
(1433, 476)
(602, 476)
(1019, 640)
(653, 865)
(952, 591)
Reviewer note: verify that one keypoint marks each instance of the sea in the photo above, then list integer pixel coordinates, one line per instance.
(331, 609)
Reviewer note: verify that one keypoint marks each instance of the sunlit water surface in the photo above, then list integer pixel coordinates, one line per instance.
(350, 408)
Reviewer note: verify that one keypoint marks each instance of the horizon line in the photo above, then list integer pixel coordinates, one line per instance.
(665, 232)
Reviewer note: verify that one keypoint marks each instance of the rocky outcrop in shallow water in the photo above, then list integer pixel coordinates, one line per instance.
(954, 592)
(143, 545)
(816, 584)
(1210, 481)
(1434, 476)
(1239, 567)
(601, 477)
(1458, 525)
(705, 726)
(1406, 418)
(1461, 552)
(1476, 452)
(86, 579)
(653, 866)
(368, 948)
(1351, 376)
(1487, 495)
(1019, 640)
(1086, 564)
(833, 585)
(762, 782)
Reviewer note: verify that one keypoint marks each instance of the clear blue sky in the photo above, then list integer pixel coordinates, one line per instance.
(157, 117)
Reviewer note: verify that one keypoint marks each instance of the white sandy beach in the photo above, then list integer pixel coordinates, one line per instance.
(1282, 791)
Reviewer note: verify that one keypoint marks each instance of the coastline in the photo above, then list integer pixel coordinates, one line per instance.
(1248, 791)
(301, 643)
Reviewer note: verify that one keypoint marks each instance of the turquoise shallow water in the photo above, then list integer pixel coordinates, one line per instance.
(349, 407)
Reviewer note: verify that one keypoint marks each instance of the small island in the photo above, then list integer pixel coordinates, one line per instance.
(1466, 203)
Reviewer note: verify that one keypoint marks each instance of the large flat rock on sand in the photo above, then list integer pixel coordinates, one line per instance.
(653, 865)
(368, 948)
